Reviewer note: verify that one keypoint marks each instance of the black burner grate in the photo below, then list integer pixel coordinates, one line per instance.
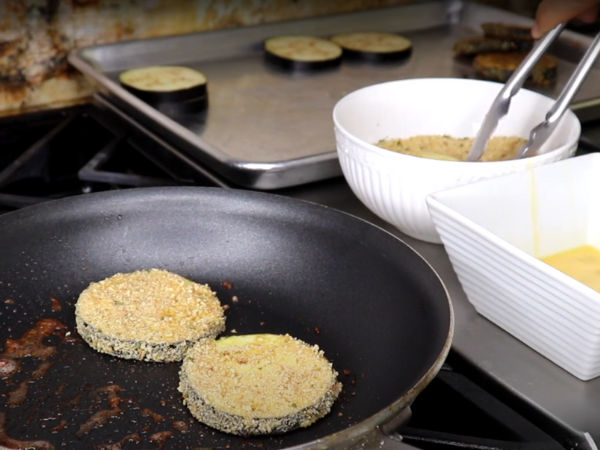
(454, 412)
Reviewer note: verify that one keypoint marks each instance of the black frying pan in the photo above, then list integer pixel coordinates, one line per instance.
(376, 307)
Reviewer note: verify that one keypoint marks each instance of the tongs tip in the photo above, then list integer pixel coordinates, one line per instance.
(501, 104)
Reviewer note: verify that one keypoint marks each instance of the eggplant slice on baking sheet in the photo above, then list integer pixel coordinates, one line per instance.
(172, 90)
(376, 308)
(304, 53)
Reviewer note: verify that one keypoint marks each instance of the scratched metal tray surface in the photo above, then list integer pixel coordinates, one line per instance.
(266, 128)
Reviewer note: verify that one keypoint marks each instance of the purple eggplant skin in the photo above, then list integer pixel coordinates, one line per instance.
(180, 95)
(301, 66)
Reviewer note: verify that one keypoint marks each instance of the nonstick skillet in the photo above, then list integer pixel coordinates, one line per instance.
(376, 308)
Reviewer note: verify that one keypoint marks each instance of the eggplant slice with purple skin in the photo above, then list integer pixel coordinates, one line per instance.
(170, 89)
(305, 53)
(195, 105)
(374, 46)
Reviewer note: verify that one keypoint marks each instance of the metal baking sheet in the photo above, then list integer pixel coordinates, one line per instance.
(266, 128)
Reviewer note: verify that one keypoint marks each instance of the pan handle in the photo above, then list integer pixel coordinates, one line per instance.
(386, 436)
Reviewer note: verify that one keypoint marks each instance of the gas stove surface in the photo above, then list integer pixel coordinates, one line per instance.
(94, 148)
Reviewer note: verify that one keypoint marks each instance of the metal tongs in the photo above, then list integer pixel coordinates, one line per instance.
(501, 103)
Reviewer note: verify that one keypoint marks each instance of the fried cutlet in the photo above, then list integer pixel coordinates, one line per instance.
(499, 66)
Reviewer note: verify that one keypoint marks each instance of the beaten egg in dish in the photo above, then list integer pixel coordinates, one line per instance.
(581, 263)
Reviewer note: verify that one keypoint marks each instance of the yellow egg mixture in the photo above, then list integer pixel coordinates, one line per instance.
(581, 263)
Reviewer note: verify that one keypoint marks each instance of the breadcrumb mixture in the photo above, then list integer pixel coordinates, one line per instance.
(272, 376)
(153, 306)
(500, 148)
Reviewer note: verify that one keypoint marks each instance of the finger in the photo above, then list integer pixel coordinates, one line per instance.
(590, 15)
(552, 12)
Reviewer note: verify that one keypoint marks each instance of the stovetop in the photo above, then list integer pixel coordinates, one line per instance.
(92, 148)
(83, 149)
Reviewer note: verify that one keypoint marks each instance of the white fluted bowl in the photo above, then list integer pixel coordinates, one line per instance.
(394, 185)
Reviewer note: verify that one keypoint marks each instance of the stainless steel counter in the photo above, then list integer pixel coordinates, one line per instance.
(508, 361)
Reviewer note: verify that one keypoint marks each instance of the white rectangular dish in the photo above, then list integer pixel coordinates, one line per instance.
(495, 232)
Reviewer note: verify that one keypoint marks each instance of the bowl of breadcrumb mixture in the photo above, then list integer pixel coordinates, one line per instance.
(400, 141)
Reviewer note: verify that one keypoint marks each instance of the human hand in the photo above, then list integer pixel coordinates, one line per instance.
(552, 12)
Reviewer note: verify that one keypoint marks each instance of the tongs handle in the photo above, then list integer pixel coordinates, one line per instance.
(501, 103)
(542, 132)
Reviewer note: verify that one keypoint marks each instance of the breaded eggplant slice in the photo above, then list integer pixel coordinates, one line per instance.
(503, 30)
(480, 44)
(500, 66)
(257, 384)
(296, 52)
(148, 315)
(374, 46)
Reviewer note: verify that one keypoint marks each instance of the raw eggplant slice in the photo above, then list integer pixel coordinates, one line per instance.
(302, 52)
(164, 84)
(374, 46)
(195, 105)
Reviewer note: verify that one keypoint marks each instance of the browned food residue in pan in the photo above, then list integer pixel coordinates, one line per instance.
(31, 344)
(8, 367)
(56, 306)
(101, 417)
(346, 396)
(155, 416)
(132, 438)
(61, 426)
(19, 395)
(161, 438)
(8, 442)
(181, 425)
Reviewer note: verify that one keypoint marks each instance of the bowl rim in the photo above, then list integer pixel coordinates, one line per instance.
(572, 141)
